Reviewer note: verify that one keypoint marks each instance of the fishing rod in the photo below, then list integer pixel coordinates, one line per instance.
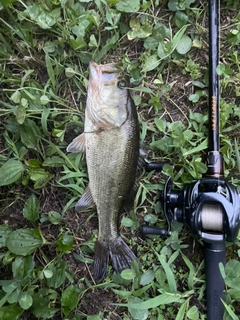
(209, 206)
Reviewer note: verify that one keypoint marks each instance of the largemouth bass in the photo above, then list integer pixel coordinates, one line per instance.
(111, 143)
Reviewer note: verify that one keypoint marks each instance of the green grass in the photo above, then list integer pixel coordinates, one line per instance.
(46, 249)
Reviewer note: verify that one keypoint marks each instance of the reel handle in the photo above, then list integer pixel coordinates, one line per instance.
(154, 166)
(214, 253)
(144, 229)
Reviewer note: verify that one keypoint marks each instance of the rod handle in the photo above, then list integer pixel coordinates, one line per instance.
(214, 253)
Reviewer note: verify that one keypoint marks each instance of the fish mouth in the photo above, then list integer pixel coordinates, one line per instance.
(103, 73)
(104, 68)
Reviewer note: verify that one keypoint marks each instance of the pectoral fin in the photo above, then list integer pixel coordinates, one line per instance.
(78, 144)
(85, 201)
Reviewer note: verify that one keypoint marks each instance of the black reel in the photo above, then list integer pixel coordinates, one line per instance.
(210, 207)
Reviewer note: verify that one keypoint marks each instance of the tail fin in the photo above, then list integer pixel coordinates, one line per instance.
(101, 259)
(121, 256)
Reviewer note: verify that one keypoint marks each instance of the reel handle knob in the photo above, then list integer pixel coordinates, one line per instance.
(157, 166)
(154, 230)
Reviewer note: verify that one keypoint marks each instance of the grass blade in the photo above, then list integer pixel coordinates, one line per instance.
(170, 276)
(237, 153)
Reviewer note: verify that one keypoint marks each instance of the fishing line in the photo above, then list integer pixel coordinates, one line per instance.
(212, 217)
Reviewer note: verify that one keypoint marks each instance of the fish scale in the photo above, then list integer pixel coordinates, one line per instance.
(110, 166)
(111, 143)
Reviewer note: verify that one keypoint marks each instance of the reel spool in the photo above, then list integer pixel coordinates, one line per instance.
(212, 217)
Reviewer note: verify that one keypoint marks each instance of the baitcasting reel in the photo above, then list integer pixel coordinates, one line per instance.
(210, 207)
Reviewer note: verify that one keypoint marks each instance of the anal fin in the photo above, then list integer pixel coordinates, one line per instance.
(85, 201)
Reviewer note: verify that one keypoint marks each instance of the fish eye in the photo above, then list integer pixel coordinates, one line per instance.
(121, 84)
